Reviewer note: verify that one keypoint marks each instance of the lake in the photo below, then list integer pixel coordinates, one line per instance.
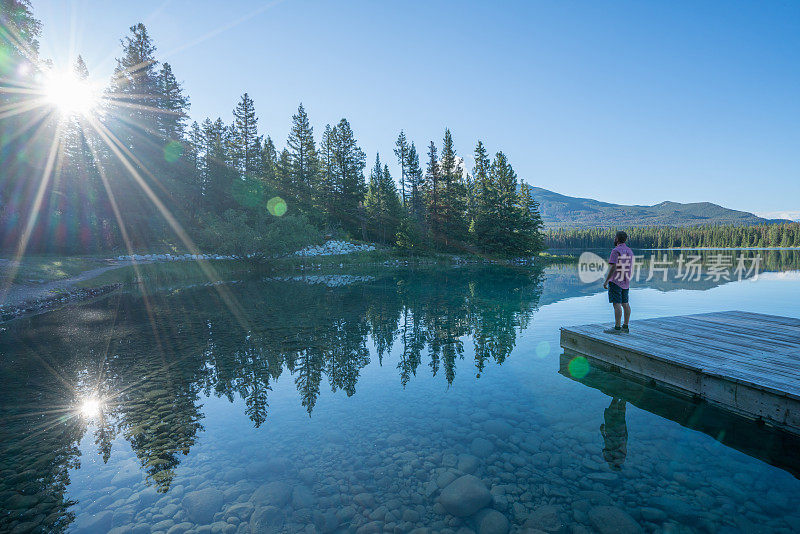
(379, 401)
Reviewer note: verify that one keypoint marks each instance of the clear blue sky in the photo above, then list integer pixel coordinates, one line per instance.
(629, 102)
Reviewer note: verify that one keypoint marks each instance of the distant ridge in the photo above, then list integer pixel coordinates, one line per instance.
(562, 211)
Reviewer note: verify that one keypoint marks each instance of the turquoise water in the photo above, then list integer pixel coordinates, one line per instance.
(383, 402)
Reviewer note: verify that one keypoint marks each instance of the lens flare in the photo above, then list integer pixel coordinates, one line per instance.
(276, 206)
(69, 94)
(173, 151)
(578, 367)
(542, 349)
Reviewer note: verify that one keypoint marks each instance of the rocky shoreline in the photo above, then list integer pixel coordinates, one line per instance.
(50, 302)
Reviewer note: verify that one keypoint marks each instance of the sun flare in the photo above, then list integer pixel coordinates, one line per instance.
(71, 95)
(90, 408)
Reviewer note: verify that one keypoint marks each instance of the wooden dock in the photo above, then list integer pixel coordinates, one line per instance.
(748, 363)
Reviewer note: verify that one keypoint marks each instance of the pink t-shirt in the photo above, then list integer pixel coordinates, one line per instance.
(622, 255)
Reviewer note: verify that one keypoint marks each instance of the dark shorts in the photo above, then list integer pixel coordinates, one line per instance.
(617, 295)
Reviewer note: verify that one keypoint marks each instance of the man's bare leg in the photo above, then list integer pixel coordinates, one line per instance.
(618, 313)
(627, 309)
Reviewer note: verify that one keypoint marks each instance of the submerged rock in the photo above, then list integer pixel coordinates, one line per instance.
(465, 496)
(499, 428)
(128, 474)
(467, 463)
(546, 518)
(445, 478)
(148, 496)
(272, 493)
(612, 520)
(307, 475)
(481, 447)
(491, 522)
(99, 523)
(267, 519)
(302, 497)
(271, 466)
(675, 507)
(180, 528)
(201, 505)
(366, 500)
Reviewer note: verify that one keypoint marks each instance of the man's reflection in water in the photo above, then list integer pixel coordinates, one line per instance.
(615, 434)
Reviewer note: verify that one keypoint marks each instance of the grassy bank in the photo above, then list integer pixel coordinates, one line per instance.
(49, 268)
(159, 274)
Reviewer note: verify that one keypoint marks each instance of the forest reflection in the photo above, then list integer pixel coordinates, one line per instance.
(151, 360)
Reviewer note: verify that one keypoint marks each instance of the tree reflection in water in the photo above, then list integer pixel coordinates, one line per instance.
(151, 360)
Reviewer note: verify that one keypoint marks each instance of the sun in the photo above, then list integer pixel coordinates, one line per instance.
(90, 408)
(70, 95)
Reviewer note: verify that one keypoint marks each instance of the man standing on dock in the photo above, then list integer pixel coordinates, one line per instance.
(618, 282)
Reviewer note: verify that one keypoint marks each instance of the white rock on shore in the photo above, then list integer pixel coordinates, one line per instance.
(332, 247)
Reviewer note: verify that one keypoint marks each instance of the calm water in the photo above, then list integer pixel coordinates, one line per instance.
(336, 404)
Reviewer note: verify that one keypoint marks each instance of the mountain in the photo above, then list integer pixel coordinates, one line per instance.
(572, 212)
(789, 215)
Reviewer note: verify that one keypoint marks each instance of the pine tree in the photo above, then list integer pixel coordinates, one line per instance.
(401, 151)
(348, 177)
(529, 237)
(448, 161)
(303, 164)
(19, 60)
(175, 175)
(134, 121)
(416, 185)
(499, 227)
(382, 204)
(454, 226)
(173, 105)
(327, 189)
(504, 181)
(194, 157)
(219, 174)
(19, 35)
(372, 199)
(80, 69)
(245, 144)
(268, 164)
(135, 87)
(486, 199)
(392, 208)
(507, 220)
(433, 194)
(285, 175)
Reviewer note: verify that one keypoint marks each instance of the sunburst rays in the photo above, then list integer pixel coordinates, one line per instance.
(34, 98)
(40, 103)
(44, 118)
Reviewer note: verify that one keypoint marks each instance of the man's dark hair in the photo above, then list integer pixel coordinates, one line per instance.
(622, 236)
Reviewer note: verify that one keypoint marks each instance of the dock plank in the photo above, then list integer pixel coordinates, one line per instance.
(732, 346)
(746, 362)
